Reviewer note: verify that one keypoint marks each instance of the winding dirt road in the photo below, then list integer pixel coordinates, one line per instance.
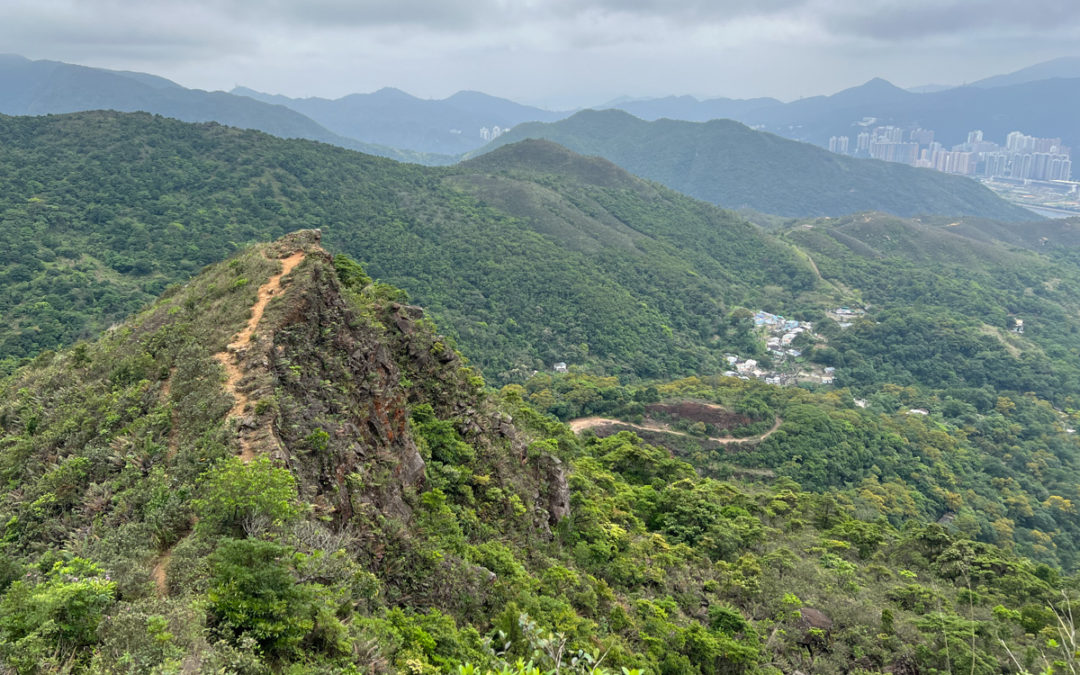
(583, 423)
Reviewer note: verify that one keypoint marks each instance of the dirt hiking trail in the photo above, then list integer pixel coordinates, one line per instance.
(158, 574)
(243, 340)
(240, 344)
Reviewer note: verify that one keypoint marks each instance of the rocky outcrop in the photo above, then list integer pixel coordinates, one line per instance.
(558, 490)
(336, 377)
(815, 630)
(341, 410)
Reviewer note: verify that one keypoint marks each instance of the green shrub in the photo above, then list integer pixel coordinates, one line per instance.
(253, 593)
(46, 622)
(233, 493)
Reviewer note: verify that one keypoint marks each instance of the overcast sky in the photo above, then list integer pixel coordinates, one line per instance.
(558, 53)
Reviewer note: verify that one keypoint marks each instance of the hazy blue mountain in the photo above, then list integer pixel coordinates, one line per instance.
(930, 88)
(1040, 108)
(726, 163)
(691, 109)
(395, 118)
(1064, 67)
(48, 87)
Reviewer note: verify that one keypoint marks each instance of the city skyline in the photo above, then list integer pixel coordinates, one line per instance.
(1022, 157)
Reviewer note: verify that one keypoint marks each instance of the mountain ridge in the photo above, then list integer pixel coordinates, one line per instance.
(727, 163)
(357, 499)
(394, 118)
(53, 87)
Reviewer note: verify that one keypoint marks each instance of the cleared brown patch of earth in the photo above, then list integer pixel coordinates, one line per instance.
(718, 416)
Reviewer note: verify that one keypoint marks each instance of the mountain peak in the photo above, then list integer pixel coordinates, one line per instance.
(544, 156)
(298, 357)
(878, 84)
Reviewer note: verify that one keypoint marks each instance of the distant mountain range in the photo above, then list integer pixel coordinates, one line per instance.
(1015, 102)
(391, 117)
(726, 163)
(691, 109)
(49, 87)
(1066, 67)
(722, 162)
(1037, 100)
(1040, 108)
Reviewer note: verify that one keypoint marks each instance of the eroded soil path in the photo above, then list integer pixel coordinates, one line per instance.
(242, 341)
(174, 429)
(158, 574)
(583, 423)
(160, 569)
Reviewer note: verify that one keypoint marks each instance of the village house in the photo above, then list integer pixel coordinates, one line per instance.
(746, 366)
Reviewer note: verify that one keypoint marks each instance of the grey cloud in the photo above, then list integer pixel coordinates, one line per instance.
(712, 10)
(436, 15)
(907, 19)
(106, 28)
(451, 14)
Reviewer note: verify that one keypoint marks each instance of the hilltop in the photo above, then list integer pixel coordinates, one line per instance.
(727, 163)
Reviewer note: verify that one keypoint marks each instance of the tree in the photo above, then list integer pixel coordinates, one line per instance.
(235, 493)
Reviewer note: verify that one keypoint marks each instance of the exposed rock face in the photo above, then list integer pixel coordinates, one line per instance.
(558, 503)
(816, 629)
(343, 414)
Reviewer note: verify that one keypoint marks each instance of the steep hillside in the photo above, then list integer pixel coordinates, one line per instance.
(726, 163)
(526, 268)
(196, 441)
(51, 87)
(278, 467)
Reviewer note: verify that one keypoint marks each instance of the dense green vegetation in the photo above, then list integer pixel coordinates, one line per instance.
(136, 540)
(998, 468)
(526, 268)
(373, 507)
(729, 164)
(946, 305)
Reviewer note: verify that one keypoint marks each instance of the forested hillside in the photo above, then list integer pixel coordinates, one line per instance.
(101, 211)
(280, 467)
(947, 299)
(729, 164)
(530, 255)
